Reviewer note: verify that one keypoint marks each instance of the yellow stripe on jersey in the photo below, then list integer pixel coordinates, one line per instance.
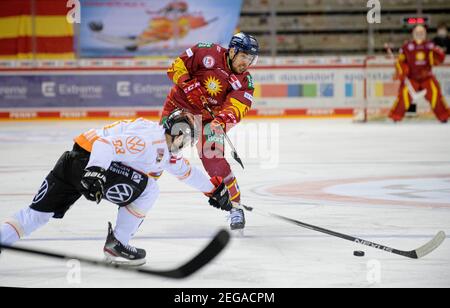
(431, 58)
(399, 67)
(434, 92)
(241, 107)
(406, 97)
(178, 69)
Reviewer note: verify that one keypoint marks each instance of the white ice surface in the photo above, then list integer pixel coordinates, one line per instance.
(383, 182)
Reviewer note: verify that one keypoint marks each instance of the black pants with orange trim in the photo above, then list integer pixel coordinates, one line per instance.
(433, 96)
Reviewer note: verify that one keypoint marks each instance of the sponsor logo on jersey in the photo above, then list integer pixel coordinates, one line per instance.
(251, 85)
(137, 177)
(41, 193)
(135, 145)
(119, 193)
(204, 45)
(213, 86)
(248, 96)
(208, 61)
(420, 56)
(189, 52)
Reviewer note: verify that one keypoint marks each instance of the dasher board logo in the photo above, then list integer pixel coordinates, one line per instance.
(119, 193)
(123, 88)
(48, 89)
(41, 193)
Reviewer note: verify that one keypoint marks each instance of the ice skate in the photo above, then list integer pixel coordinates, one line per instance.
(117, 253)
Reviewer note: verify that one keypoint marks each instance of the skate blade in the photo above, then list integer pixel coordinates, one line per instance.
(238, 232)
(124, 262)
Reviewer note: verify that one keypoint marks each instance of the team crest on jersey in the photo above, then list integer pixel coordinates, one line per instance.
(41, 193)
(208, 61)
(234, 82)
(213, 86)
(410, 46)
(160, 155)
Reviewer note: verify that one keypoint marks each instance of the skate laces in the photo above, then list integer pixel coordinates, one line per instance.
(236, 215)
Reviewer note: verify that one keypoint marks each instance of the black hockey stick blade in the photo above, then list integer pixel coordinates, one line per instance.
(238, 159)
(418, 253)
(217, 244)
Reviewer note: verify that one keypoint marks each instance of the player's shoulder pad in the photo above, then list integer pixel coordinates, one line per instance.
(430, 45)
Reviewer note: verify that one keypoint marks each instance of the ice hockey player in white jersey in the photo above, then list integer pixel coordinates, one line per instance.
(120, 163)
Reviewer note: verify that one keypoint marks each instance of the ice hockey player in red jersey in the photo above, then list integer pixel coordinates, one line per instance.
(216, 76)
(120, 163)
(415, 62)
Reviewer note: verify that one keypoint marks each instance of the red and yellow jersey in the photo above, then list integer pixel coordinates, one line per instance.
(228, 94)
(416, 60)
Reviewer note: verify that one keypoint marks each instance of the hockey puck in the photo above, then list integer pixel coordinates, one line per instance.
(358, 253)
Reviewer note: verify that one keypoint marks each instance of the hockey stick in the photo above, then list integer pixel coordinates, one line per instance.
(233, 149)
(413, 254)
(217, 244)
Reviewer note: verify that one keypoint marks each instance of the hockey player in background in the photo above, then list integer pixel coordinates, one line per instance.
(216, 76)
(415, 62)
(120, 163)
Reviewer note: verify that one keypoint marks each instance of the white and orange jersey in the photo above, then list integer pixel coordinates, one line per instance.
(141, 145)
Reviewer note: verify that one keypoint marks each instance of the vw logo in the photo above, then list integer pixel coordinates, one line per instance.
(119, 193)
(41, 193)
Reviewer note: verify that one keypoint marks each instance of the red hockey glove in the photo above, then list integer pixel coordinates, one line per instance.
(194, 91)
(220, 197)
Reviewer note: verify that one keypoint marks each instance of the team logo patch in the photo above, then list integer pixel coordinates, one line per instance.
(119, 193)
(135, 145)
(41, 193)
(208, 61)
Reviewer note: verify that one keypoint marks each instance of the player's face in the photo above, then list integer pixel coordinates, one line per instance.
(420, 34)
(241, 62)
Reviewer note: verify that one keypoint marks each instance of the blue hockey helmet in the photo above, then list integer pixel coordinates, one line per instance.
(242, 42)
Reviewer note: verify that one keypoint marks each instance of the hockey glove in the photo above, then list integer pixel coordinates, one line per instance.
(220, 197)
(93, 183)
(195, 93)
